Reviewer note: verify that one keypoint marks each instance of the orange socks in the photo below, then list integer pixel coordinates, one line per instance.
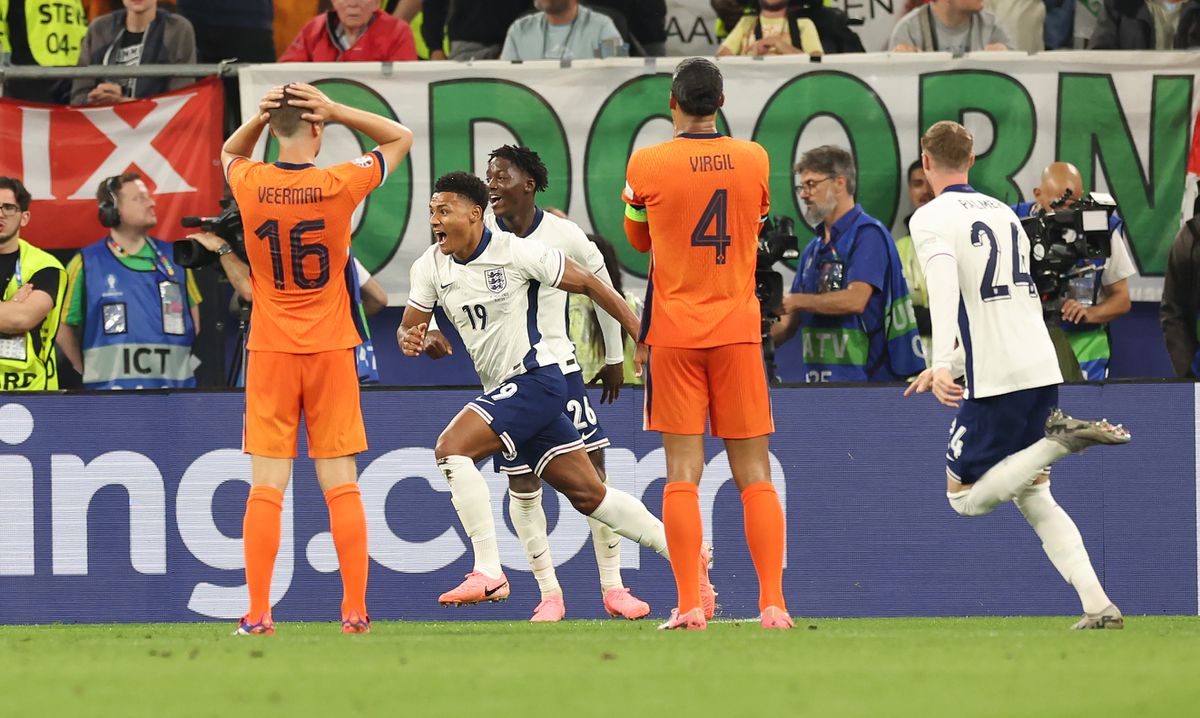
(260, 543)
(685, 532)
(766, 536)
(348, 523)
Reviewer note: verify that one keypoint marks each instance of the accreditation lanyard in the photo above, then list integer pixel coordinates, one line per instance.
(160, 262)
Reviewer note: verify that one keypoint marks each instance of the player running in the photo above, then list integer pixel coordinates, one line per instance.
(490, 285)
(1008, 431)
(514, 176)
(696, 204)
(301, 346)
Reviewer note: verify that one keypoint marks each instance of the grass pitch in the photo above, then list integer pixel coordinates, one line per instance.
(863, 667)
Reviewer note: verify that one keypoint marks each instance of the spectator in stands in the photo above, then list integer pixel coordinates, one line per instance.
(1148, 25)
(231, 29)
(1180, 311)
(141, 34)
(1023, 20)
(1094, 299)
(955, 26)
(849, 299)
(646, 20)
(919, 193)
(772, 31)
(32, 282)
(290, 17)
(37, 38)
(833, 25)
(563, 30)
(406, 10)
(584, 328)
(353, 31)
(131, 312)
(1059, 27)
(476, 29)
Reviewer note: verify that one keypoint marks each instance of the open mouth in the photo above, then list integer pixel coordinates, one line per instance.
(440, 237)
(494, 198)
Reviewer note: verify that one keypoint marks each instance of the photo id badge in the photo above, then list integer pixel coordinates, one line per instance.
(172, 307)
(114, 318)
(12, 347)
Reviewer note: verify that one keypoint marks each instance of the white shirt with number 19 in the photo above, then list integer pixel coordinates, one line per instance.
(492, 298)
(1000, 322)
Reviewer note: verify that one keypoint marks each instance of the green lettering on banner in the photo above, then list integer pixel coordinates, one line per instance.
(622, 116)
(386, 211)
(1092, 125)
(866, 121)
(842, 347)
(456, 106)
(1006, 103)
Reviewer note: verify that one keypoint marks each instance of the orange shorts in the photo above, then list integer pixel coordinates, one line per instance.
(726, 385)
(324, 386)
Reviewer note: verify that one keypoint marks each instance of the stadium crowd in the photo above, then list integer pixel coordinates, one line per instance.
(135, 32)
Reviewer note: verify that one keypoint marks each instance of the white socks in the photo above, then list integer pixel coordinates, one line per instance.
(529, 519)
(630, 518)
(607, 545)
(1004, 481)
(1063, 544)
(469, 494)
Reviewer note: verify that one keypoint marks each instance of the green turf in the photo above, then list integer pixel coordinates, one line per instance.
(887, 667)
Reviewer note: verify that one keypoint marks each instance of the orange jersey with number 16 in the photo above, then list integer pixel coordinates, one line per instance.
(704, 197)
(297, 222)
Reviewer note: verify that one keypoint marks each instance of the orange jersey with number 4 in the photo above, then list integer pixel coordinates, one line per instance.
(704, 198)
(297, 222)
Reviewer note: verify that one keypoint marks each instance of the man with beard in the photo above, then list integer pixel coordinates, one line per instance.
(563, 30)
(849, 299)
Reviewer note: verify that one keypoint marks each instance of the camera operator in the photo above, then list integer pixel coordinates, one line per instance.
(849, 299)
(131, 312)
(1096, 298)
(237, 271)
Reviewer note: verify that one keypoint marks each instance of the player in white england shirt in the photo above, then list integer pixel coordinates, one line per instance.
(489, 285)
(1008, 431)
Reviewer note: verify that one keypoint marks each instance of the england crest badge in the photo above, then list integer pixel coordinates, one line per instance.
(495, 280)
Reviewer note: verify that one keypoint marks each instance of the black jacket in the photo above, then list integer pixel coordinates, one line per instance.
(471, 20)
(1181, 298)
(1128, 25)
(170, 40)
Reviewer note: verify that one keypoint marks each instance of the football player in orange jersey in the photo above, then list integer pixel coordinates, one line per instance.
(696, 204)
(297, 220)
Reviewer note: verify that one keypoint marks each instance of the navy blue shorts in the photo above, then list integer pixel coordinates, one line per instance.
(526, 412)
(986, 431)
(579, 412)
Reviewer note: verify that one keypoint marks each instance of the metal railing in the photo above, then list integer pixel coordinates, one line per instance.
(37, 72)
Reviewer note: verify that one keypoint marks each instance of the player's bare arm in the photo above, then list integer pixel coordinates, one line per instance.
(851, 300)
(578, 280)
(411, 332)
(393, 138)
(241, 142)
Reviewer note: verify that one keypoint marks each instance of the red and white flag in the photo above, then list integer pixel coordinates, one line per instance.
(63, 154)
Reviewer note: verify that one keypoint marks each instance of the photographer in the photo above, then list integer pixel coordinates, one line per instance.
(131, 313)
(237, 271)
(849, 299)
(1096, 298)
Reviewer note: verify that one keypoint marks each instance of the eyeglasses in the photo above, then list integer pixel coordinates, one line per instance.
(810, 186)
(9, 210)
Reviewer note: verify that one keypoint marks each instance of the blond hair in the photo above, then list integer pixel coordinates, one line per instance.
(949, 146)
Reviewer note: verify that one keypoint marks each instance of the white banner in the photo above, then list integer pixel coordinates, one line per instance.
(1123, 117)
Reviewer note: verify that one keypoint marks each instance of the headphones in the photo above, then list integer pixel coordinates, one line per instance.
(110, 216)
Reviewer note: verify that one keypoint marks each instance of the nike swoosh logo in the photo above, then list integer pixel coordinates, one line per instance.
(543, 553)
(590, 434)
(490, 591)
(443, 286)
(612, 546)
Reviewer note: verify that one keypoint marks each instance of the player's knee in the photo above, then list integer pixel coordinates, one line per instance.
(586, 499)
(523, 483)
(446, 446)
(962, 504)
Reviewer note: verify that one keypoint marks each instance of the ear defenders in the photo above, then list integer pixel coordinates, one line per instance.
(110, 216)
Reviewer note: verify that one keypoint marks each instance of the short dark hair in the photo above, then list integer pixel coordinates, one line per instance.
(831, 161)
(916, 165)
(103, 194)
(527, 161)
(698, 86)
(18, 189)
(464, 184)
(285, 119)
